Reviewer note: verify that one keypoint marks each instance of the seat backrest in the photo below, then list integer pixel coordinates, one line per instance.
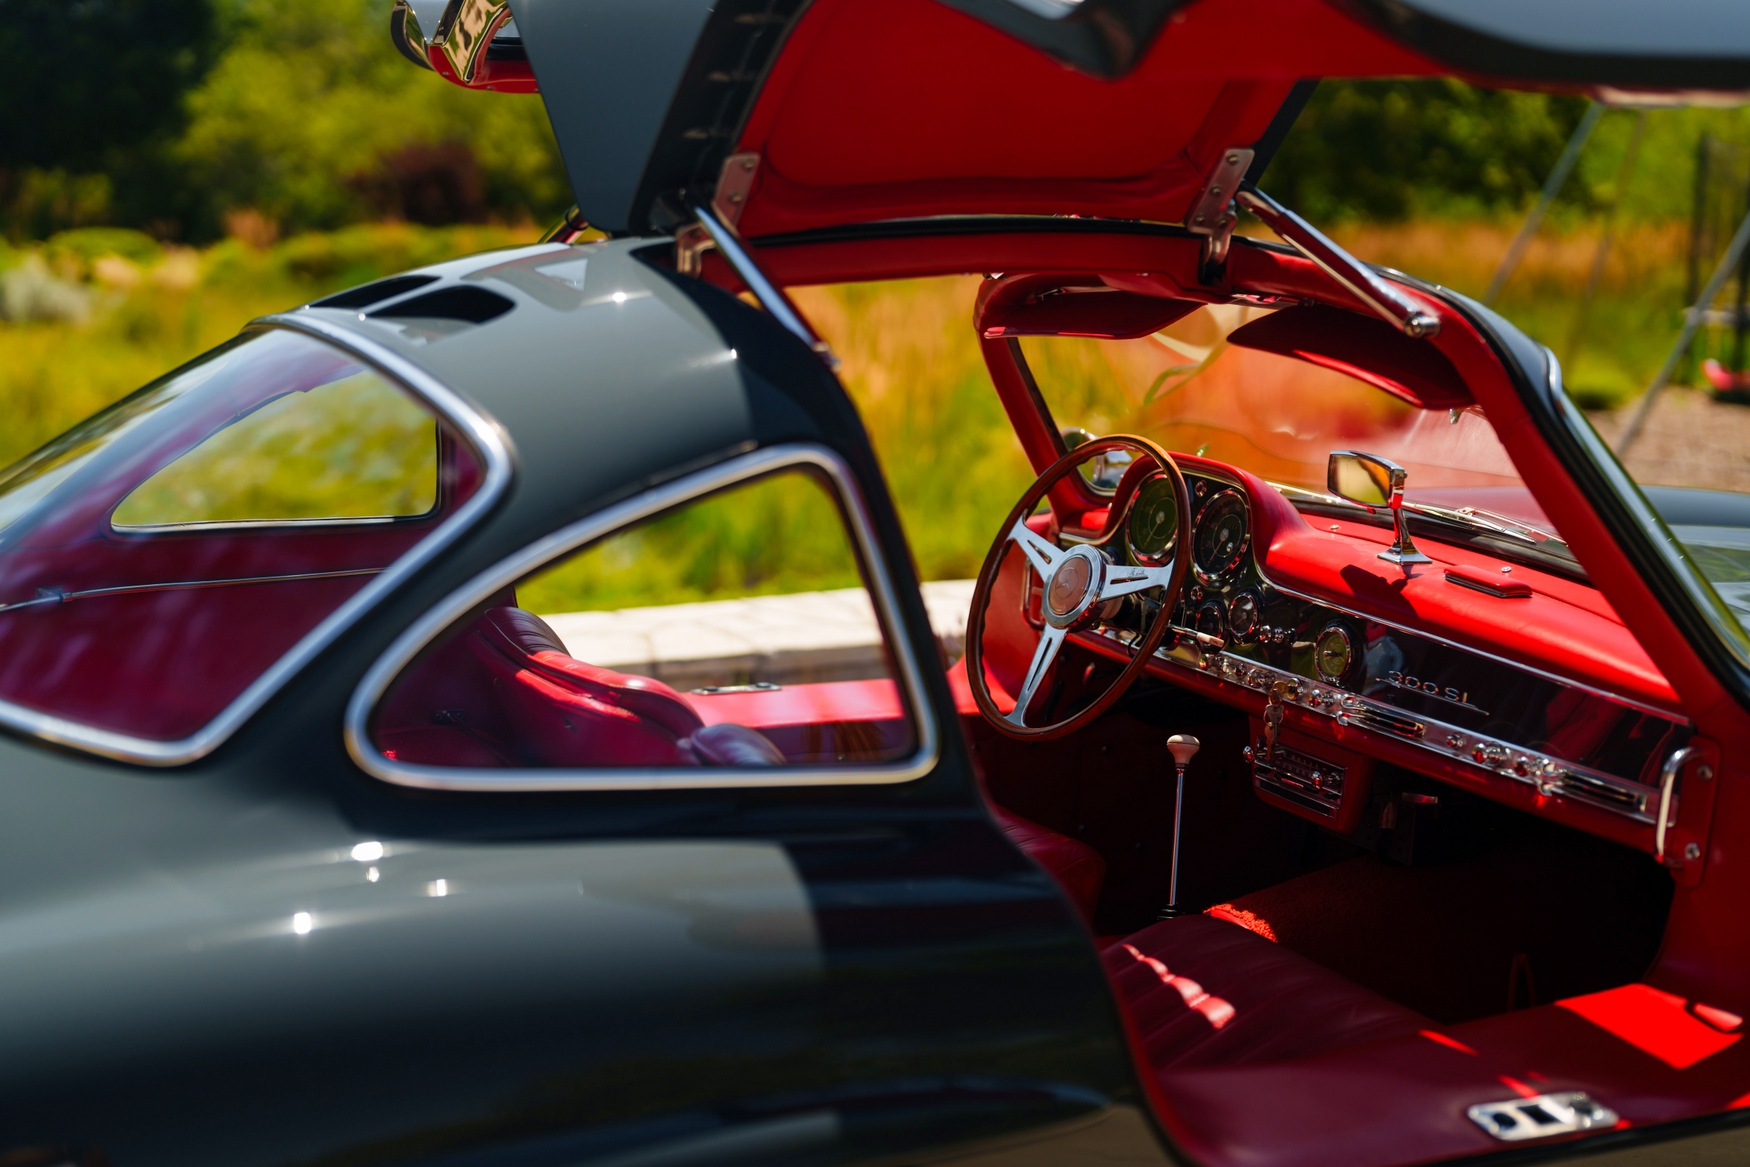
(574, 714)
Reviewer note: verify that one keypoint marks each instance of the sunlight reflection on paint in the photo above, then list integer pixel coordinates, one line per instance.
(368, 852)
(438, 888)
(301, 923)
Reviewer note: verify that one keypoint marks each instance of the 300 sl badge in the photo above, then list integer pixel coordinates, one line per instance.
(1433, 689)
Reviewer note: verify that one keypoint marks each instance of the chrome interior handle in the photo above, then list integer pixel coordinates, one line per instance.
(1667, 785)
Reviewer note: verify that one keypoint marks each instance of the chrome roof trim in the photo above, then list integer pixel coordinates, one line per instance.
(489, 441)
(736, 469)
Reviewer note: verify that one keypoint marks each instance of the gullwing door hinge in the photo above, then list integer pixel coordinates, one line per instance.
(1213, 215)
(1216, 211)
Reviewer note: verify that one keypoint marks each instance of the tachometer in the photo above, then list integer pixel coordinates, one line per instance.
(1153, 528)
(1223, 534)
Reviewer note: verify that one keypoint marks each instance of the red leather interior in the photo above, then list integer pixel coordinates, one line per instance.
(873, 111)
(1201, 991)
(1364, 347)
(1077, 867)
(1650, 1056)
(505, 692)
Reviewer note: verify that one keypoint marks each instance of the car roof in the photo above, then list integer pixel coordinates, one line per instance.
(607, 373)
(842, 111)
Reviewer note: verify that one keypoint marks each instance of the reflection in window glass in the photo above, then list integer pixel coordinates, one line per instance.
(732, 631)
(148, 571)
(356, 447)
(1190, 390)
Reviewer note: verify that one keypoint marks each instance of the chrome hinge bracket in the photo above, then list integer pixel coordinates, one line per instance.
(690, 245)
(465, 31)
(734, 184)
(1213, 216)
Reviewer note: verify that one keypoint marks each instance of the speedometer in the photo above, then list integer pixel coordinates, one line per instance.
(1223, 534)
(1153, 528)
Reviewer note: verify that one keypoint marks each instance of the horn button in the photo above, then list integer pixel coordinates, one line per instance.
(1074, 587)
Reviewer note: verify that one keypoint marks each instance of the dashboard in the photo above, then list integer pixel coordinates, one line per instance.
(1356, 678)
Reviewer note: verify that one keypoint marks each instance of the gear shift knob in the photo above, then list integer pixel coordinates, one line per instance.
(1183, 747)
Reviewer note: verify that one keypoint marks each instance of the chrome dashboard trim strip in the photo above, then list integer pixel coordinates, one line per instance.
(489, 441)
(377, 680)
(1503, 759)
(1630, 702)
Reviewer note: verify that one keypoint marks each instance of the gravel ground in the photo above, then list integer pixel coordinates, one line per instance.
(1689, 440)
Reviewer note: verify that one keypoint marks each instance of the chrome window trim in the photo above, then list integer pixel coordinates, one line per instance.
(734, 470)
(489, 441)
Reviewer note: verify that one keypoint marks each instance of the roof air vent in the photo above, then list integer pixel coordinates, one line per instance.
(468, 304)
(375, 292)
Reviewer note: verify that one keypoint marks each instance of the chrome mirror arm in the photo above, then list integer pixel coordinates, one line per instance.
(1402, 550)
(1387, 302)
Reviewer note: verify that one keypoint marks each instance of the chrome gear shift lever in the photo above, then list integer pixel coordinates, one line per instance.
(1183, 747)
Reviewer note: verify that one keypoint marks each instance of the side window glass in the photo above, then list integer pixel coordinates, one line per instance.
(160, 558)
(734, 630)
(354, 448)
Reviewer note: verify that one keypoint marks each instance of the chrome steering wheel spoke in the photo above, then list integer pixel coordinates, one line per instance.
(1041, 552)
(1050, 640)
(1127, 581)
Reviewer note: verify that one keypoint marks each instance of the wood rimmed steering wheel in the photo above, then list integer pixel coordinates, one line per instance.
(1081, 582)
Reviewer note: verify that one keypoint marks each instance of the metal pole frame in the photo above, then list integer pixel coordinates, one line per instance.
(1551, 187)
(1692, 321)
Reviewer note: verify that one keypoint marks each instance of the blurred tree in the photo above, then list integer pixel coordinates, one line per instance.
(1392, 150)
(311, 119)
(95, 76)
(93, 93)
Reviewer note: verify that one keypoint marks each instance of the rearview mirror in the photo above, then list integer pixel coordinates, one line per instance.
(1364, 478)
(1375, 482)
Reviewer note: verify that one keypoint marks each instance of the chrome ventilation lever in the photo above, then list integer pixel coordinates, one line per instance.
(1183, 747)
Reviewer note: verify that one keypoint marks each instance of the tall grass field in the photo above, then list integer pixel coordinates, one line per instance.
(94, 314)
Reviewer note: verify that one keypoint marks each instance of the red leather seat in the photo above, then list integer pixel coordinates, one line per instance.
(1077, 867)
(568, 713)
(1201, 991)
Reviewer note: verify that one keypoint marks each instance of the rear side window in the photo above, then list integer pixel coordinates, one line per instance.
(354, 448)
(162, 556)
(734, 630)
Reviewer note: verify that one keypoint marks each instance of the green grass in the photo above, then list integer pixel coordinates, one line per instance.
(152, 315)
(910, 362)
(779, 535)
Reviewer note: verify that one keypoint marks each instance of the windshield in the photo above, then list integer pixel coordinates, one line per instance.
(1190, 390)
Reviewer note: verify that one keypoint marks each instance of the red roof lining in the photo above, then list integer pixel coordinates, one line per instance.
(911, 108)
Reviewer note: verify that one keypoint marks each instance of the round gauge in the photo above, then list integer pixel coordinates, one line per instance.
(1333, 653)
(1222, 537)
(1211, 620)
(1242, 617)
(1153, 528)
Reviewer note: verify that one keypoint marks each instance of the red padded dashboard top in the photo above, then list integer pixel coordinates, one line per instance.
(1563, 628)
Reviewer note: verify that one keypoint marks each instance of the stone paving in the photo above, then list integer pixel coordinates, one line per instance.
(787, 639)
